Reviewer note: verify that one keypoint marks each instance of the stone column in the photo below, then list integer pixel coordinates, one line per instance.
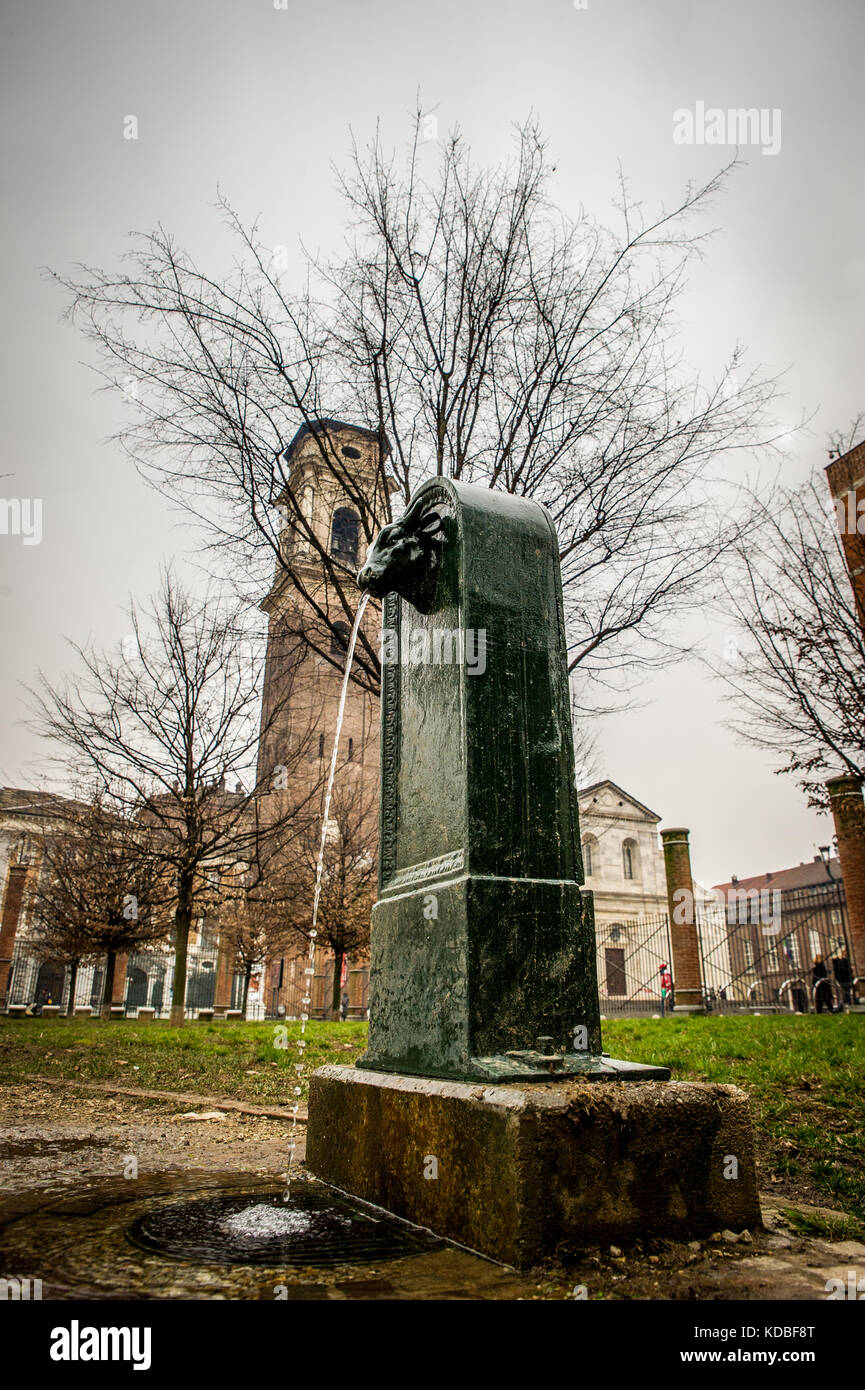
(848, 812)
(13, 902)
(685, 964)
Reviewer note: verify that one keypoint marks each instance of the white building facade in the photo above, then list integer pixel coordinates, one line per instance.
(624, 867)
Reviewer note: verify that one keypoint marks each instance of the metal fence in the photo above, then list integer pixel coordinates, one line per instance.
(288, 986)
(759, 952)
(630, 956)
(777, 952)
(147, 984)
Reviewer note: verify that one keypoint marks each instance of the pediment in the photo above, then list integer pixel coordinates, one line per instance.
(608, 799)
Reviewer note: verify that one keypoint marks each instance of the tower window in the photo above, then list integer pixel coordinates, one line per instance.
(321, 745)
(351, 453)
(345, 535)
(587, 858)
(350, 749)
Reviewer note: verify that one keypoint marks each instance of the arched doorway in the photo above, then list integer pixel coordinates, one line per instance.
(136, 987)
(201, 987)
(97, 987)
(49, 983)
(158, 991)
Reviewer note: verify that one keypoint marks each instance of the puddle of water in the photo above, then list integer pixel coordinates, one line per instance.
(320, 1229)
(80, 1246)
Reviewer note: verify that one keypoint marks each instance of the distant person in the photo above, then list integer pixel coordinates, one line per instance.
(343, 1008)
(843, 975)
(667, 988)
(820, 986)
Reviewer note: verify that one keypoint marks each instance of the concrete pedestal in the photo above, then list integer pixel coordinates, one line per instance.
(522, 1173)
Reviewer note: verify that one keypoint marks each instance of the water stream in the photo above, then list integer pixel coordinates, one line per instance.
(309, 968)
(349, 657)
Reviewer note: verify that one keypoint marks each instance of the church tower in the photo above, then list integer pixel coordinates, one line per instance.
(334, 500)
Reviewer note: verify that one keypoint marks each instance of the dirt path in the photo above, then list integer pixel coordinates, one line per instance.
(274, 1112)
(52, 1136)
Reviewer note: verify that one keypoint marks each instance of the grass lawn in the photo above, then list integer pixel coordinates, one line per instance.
(805, 1077)
(236, 1061)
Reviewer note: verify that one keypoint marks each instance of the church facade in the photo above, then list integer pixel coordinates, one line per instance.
(624, 867)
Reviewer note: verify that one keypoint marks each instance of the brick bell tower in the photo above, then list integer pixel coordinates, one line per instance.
(334, 472)
(332, 469)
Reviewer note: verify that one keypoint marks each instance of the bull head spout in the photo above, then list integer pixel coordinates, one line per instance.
(404, 558)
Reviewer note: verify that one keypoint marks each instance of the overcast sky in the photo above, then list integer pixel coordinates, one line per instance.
(259, 100)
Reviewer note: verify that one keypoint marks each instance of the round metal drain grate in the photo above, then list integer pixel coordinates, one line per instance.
(318, 1227)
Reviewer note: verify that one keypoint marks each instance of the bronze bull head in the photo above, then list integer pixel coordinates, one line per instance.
(404, 558)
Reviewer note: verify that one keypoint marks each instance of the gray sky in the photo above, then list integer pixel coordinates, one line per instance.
(260, 100)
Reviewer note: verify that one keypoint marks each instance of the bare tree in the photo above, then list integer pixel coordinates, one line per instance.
(348, 879)
(479, 334)
(796, 669)
(164, 730)
(842, 440)
(100, 892)
(253, 921)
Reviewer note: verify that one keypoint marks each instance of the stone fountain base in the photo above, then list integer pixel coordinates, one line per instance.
(521, 1173)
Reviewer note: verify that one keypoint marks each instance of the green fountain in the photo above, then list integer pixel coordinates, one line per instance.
(484, 1107)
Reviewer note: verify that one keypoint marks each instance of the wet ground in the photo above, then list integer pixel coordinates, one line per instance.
(77, 1170)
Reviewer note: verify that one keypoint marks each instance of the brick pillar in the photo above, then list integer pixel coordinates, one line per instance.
(224, 975)
(683, 926)
(13, 902)
(848, 811)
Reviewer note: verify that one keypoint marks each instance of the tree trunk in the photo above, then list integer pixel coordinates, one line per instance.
(73, 980)
(336, 992)
(246, 980)
(182, 923)
(108, 987)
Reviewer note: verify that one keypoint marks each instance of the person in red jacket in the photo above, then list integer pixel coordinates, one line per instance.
(666, 988)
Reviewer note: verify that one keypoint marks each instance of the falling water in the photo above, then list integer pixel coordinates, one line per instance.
(348, 660)
(319, 871)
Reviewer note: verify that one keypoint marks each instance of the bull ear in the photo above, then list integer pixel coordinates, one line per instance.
(430, 526)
